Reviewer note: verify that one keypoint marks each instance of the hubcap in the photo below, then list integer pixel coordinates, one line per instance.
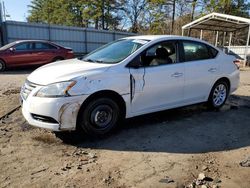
(1, 66)
(101, 116)
(219, 95)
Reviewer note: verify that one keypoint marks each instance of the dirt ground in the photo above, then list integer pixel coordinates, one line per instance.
(166, 149)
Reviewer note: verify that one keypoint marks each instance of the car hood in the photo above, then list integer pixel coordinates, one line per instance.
(65, 70)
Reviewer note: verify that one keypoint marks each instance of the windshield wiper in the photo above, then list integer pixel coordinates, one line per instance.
(89, 60)
(99, 61)
(94, 61)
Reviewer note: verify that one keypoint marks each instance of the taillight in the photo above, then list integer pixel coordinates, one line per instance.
(237, 63)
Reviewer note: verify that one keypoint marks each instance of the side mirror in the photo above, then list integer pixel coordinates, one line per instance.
(136, 62)
(12, 49)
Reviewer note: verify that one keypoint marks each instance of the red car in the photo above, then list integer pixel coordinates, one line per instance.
(32, 52)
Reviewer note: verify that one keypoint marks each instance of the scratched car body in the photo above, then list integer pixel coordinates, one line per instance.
(126, 78)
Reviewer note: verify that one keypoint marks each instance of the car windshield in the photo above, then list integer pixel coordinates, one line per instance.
(8, 46)
(115, 52)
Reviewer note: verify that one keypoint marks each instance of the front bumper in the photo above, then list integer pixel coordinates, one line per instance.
(63, 111)
(36, 123)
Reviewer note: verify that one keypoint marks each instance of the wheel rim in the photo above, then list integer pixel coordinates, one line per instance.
(101, 116)
(1, 66)
(219, 95)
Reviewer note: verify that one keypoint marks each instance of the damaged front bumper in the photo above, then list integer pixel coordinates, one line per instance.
(57, 114)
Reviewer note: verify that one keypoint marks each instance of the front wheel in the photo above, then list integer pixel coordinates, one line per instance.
(218, 95)
(99, 116)
(2, 66)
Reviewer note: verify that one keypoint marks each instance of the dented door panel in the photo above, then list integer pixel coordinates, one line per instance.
(136, 82)
(158, 88)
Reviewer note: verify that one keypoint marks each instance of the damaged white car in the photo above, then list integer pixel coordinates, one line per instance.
(126, 78)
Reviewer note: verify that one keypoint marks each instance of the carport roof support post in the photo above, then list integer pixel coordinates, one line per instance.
(247, 44)
(230, 40)
(216, 39)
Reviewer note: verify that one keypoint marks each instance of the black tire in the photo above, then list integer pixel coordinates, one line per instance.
(222, 94)
(99, 116)
(2, 66)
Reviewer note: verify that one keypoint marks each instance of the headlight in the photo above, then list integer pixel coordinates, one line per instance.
(60, 89)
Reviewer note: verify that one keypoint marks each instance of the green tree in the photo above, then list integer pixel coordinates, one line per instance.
(144, 16)
(233, 7)
(75, 12)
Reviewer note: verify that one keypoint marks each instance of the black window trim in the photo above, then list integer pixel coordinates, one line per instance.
(198, 42)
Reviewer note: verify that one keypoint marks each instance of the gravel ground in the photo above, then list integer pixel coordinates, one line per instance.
(165, 149)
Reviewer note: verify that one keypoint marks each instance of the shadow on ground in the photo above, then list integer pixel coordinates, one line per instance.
(191, 129)
(19, 70)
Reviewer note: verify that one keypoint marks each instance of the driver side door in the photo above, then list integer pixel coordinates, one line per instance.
(22, 54)
(157, 87)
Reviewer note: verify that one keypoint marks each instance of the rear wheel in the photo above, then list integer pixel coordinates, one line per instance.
(2, 66)
(99, 116)
(218, 95)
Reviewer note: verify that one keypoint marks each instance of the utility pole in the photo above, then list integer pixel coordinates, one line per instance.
(4, 12)
(1, 25)
(1, 13)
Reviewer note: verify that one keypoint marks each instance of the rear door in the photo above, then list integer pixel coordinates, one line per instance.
(201, 69)
(45, 52)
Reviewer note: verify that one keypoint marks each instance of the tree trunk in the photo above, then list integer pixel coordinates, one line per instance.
(193, 9)
(103, 4)
(173, 17)
(96, 23)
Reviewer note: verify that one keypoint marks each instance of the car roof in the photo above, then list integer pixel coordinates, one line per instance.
(19, 41)
(166, 37)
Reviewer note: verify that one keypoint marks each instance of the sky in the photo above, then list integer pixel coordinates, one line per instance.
(17, 9)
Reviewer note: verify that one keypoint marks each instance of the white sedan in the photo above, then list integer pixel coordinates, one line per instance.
(126, 78)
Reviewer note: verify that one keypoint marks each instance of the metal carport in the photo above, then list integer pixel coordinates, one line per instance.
(220, 23)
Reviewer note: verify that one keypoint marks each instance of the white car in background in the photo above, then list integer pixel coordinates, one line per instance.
(126, 78)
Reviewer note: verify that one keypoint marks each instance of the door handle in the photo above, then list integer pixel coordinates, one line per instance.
(177, 74)
(212, 70)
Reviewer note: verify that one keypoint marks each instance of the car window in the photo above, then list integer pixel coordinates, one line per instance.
(43, 46)
(196, 51)
(213, 52)
(23, 47)
(160, 54)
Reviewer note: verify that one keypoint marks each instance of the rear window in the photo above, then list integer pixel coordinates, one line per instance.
(194, 51)
(43, 46)
(213, 51)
